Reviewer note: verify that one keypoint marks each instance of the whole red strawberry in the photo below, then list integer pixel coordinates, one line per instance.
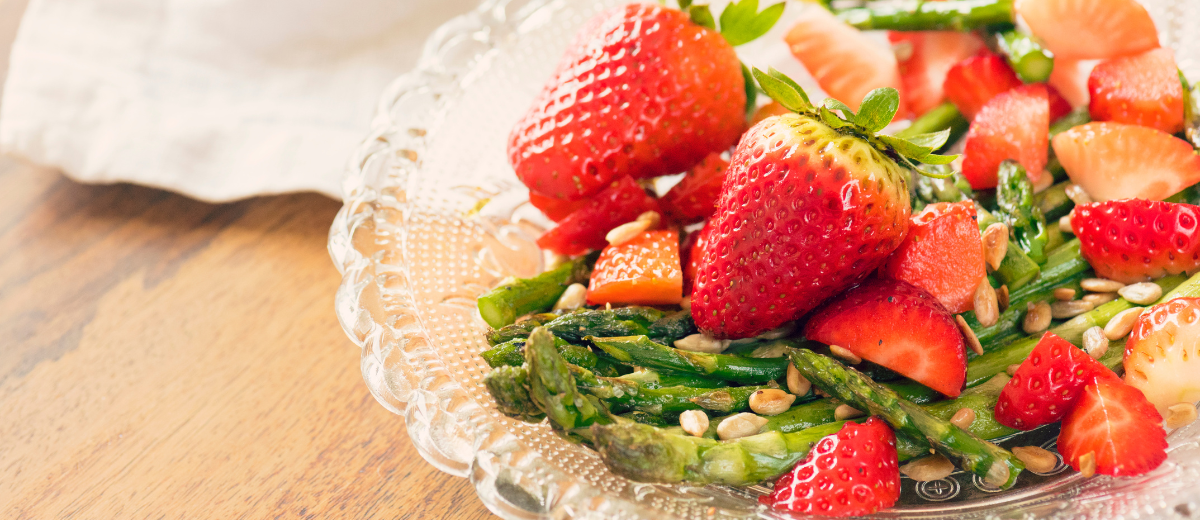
(806, 211)
(850, 473)
(1047, 384)
(643, 91)
(1134, 240)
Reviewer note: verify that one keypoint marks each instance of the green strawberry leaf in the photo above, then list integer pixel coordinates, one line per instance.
(906, 149)
(933, 140)
(785, 91)
(936, 159)
(847, 112)
(833, 120)
(684, 4)
(751, 90)
(795, 86)
(702, 16)
(742, 23)
(878, 108)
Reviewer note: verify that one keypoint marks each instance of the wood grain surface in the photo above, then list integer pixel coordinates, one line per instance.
(166, 358)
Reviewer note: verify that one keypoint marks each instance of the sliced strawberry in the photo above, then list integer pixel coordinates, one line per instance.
(555, 209)
(942, 254)
(1090, 29)
(899, 326)
(1070, 78)
(695, 197)
(851, 473)
(1047, 384)
(924, 58)
(1141, 89)
(644, 271)
(692, 251)
(1119, 428)
(1014, 125)
(1059, 106)
(1137, 240)
(971, 83)
(1116, 161)
(1162, 356)
(845, 62)
(584, 229)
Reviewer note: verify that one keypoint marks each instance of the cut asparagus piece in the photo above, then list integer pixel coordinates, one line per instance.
(1032, 62)
(1054, 202)
(520, 329)
(1016, 207)
(553, 388)
(621, 394)
(1016, 269)
(509, 387)
(930, 190)
(512, 353)
(995, 465)
(984, 367)
(503, 305)
(648, 454)
(918, 15)
(641, 351)
(651, 378)
(573, 327)
(673, 326)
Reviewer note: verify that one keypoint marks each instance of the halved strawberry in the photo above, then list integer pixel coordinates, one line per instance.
(1070, 78)
(845, 62)
(1115, 161)
(695, 197)
(971, 83)
(942, 254)
(584, 229)
(1047, 384)
(1059, 106)
(924, 58)
(1090, 29)
(691, 253)
(644, 271)
(899, 326)
(853, 472)
(1013, 125)
(1162, 356)
(1117, 425)
(555, 209)
(1136, 240)
(1141, 89)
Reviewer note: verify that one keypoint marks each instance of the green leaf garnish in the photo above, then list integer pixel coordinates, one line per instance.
(684, 4)
(702, 16)
(904, 147)
(786, 92)
(936, 159)
(932, 140)
(832, 119)
(878, 108)
(741, 22)
(847, 112)
(751, 90)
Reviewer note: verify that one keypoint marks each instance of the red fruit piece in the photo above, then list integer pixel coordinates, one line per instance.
(584, 229)
(1142, 89)
(1116, 161)
(971, 83)
(1059, 106)
(924, 59)
(1090, 29)
(693, 251)
(556, 209)
(850, 473)
(1113, 422)
(899, 326)
(642, 92)
(1137, 240)
(1047, 384)
(1162, 356)
(804, 213)
(643, 271)
(695, 197)
(1014, 125)
(943, 254)
(845, 62)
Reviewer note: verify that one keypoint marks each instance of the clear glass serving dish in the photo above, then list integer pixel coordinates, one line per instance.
(434, 216)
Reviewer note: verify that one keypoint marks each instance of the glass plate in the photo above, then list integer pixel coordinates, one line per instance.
(434, 216)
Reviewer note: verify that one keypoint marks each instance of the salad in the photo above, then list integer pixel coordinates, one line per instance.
(988, 227)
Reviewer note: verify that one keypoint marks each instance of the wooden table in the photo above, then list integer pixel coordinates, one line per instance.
(167, 358)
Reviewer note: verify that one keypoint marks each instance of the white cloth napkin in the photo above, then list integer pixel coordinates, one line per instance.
(216, 99)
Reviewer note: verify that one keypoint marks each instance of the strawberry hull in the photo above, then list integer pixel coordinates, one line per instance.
(804, 213)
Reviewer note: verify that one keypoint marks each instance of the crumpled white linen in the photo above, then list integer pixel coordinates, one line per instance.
(216, 99)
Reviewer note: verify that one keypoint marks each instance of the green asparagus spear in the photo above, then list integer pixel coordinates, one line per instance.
(641, 351)
(651, 378)
(1079, 116)
(996, 361)
(573, 327)
(512, 353)
(553, 388)
(1032, 62)
(509, 387)
(1015, 207)
(673, 326)
(930, 190)
(1053, 201)
(941, 117)
(1016, 269)
(995, 465)
(623, 394)
(503, 305)
(646, 418)
(648, 454)
(918, 15)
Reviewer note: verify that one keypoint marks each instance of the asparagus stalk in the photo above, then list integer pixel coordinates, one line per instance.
(673, 326)
(1053, 201)
(650, 378)
(1017, 269)
(1073, 119)
(930, 190)
(1015, 207)
(995, 465)
(941, 117)
(1032, 62)
(577, 325)
(996, 361)
(502, 305)
(553, 388)
(623, 394)
(918, 15)
(512, 353)
(509, 387)
(648, 454)
(641, 351)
